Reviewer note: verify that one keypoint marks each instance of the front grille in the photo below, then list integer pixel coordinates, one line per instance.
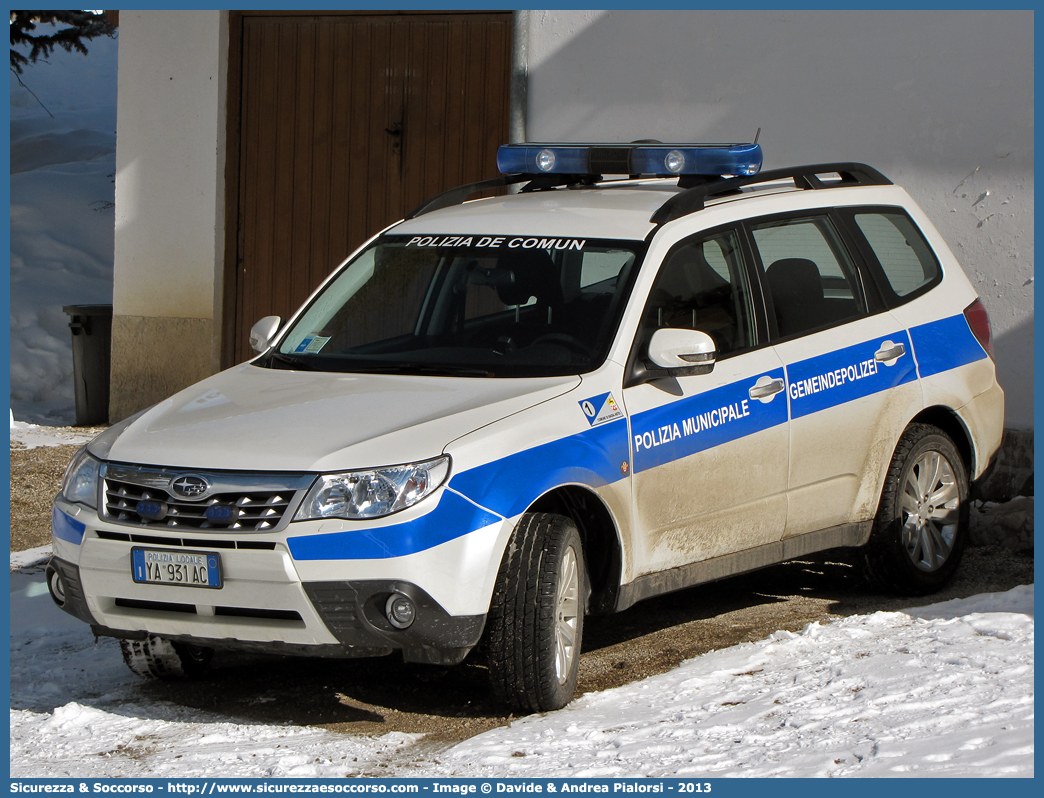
(252, 512)
(233, 502)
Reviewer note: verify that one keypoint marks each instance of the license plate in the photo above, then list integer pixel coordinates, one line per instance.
(179, 568)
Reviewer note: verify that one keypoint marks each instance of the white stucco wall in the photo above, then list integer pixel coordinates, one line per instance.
(939, 101)
(170, 164)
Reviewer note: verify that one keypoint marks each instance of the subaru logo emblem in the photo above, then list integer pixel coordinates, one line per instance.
(189, 486)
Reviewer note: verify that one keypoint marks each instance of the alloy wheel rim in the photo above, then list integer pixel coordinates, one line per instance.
(567, 607)
(930, 511)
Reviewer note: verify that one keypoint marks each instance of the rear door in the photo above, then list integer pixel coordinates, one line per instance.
(851, 378)
(709, 452)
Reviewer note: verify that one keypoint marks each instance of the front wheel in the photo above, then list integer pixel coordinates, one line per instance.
(159, 658)
(536, 619)
(921, 526)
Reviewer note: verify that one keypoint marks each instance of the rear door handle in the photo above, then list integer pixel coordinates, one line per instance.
(889, 353)
(764, 389)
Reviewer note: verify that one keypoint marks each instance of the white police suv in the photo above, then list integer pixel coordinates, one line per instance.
(500, 415)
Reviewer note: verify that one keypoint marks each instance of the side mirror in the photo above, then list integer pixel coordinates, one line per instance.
(675, 349)
(262, 333)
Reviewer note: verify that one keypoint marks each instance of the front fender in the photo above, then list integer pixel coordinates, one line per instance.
(509, 485)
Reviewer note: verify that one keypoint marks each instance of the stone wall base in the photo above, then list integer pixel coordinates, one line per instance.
(1013, 473)
(155, 357)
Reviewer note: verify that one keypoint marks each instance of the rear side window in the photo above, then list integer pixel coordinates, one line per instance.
(905, 257)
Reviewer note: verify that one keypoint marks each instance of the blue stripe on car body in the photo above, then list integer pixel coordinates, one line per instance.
(509, 485)
(505, 487)
(944, 345)
(453, 517)
(703, 421)
(844, 375)
(482, 496)
(65, 527)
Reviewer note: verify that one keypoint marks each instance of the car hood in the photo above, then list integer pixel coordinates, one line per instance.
(259, 419)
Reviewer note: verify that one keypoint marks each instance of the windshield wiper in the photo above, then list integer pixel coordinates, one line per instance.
(301, 362)
(438, 370)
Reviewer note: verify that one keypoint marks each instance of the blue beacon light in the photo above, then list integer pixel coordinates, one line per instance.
(660, 160)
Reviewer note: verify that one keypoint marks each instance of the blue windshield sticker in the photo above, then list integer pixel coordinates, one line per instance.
(311, 344)
(601, 409)
(844, 375)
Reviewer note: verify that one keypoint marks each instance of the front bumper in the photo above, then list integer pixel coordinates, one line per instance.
(351, 611)
(271, 602)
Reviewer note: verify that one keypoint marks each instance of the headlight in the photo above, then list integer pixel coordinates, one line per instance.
(372, 493)
(80, 483)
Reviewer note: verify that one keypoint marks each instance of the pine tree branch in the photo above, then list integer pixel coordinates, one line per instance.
(81, 25)
(19, 79)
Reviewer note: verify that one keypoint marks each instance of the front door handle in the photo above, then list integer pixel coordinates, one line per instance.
(765, 388)
(889, 353)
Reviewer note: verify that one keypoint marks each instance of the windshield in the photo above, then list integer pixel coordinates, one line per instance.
(466, 305)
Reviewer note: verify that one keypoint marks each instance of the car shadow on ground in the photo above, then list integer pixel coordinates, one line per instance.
(379, 695)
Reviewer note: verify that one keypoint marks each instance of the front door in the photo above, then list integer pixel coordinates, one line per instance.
(710, 451)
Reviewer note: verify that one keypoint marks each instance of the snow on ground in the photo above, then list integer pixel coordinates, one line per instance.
(29, 436)
(62, 193)
(942, 691)
(30, 557)
(947, 691)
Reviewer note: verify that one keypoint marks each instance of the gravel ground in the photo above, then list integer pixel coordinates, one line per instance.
(451, 704)
(36, 475)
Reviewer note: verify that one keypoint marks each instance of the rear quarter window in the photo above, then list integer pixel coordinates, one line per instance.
(906, 260)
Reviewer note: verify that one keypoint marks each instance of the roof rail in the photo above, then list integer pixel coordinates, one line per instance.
(804, 177)
(534, 182)
(455, 196)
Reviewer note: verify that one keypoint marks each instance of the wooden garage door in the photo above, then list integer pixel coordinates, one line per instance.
(345, 124)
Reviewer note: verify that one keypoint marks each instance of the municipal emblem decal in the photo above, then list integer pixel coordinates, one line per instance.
(601, 409)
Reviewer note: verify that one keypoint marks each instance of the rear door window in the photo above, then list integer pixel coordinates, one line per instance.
(809, 279)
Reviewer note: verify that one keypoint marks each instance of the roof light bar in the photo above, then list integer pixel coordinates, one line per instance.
(662, 160)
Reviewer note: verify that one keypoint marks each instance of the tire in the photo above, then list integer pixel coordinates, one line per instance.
(159, 658)
(536, 620)
(921, 527)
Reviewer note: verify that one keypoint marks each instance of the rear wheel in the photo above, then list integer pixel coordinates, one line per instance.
(536, 618)
(159, 658)
(922, 522)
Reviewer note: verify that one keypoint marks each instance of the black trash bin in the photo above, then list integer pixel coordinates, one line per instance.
(91, 327)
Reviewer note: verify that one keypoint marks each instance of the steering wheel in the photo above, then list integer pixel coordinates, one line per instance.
(564, 339)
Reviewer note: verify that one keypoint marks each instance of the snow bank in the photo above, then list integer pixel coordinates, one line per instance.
(939, 691)
(943, 691)
(62, 193)
(30, 557)
(30, 436)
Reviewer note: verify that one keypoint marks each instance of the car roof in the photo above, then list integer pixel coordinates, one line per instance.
(605, 211)
(625, 209)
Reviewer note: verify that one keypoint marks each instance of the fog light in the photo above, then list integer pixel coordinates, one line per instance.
(56, 586)
(400, 611)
